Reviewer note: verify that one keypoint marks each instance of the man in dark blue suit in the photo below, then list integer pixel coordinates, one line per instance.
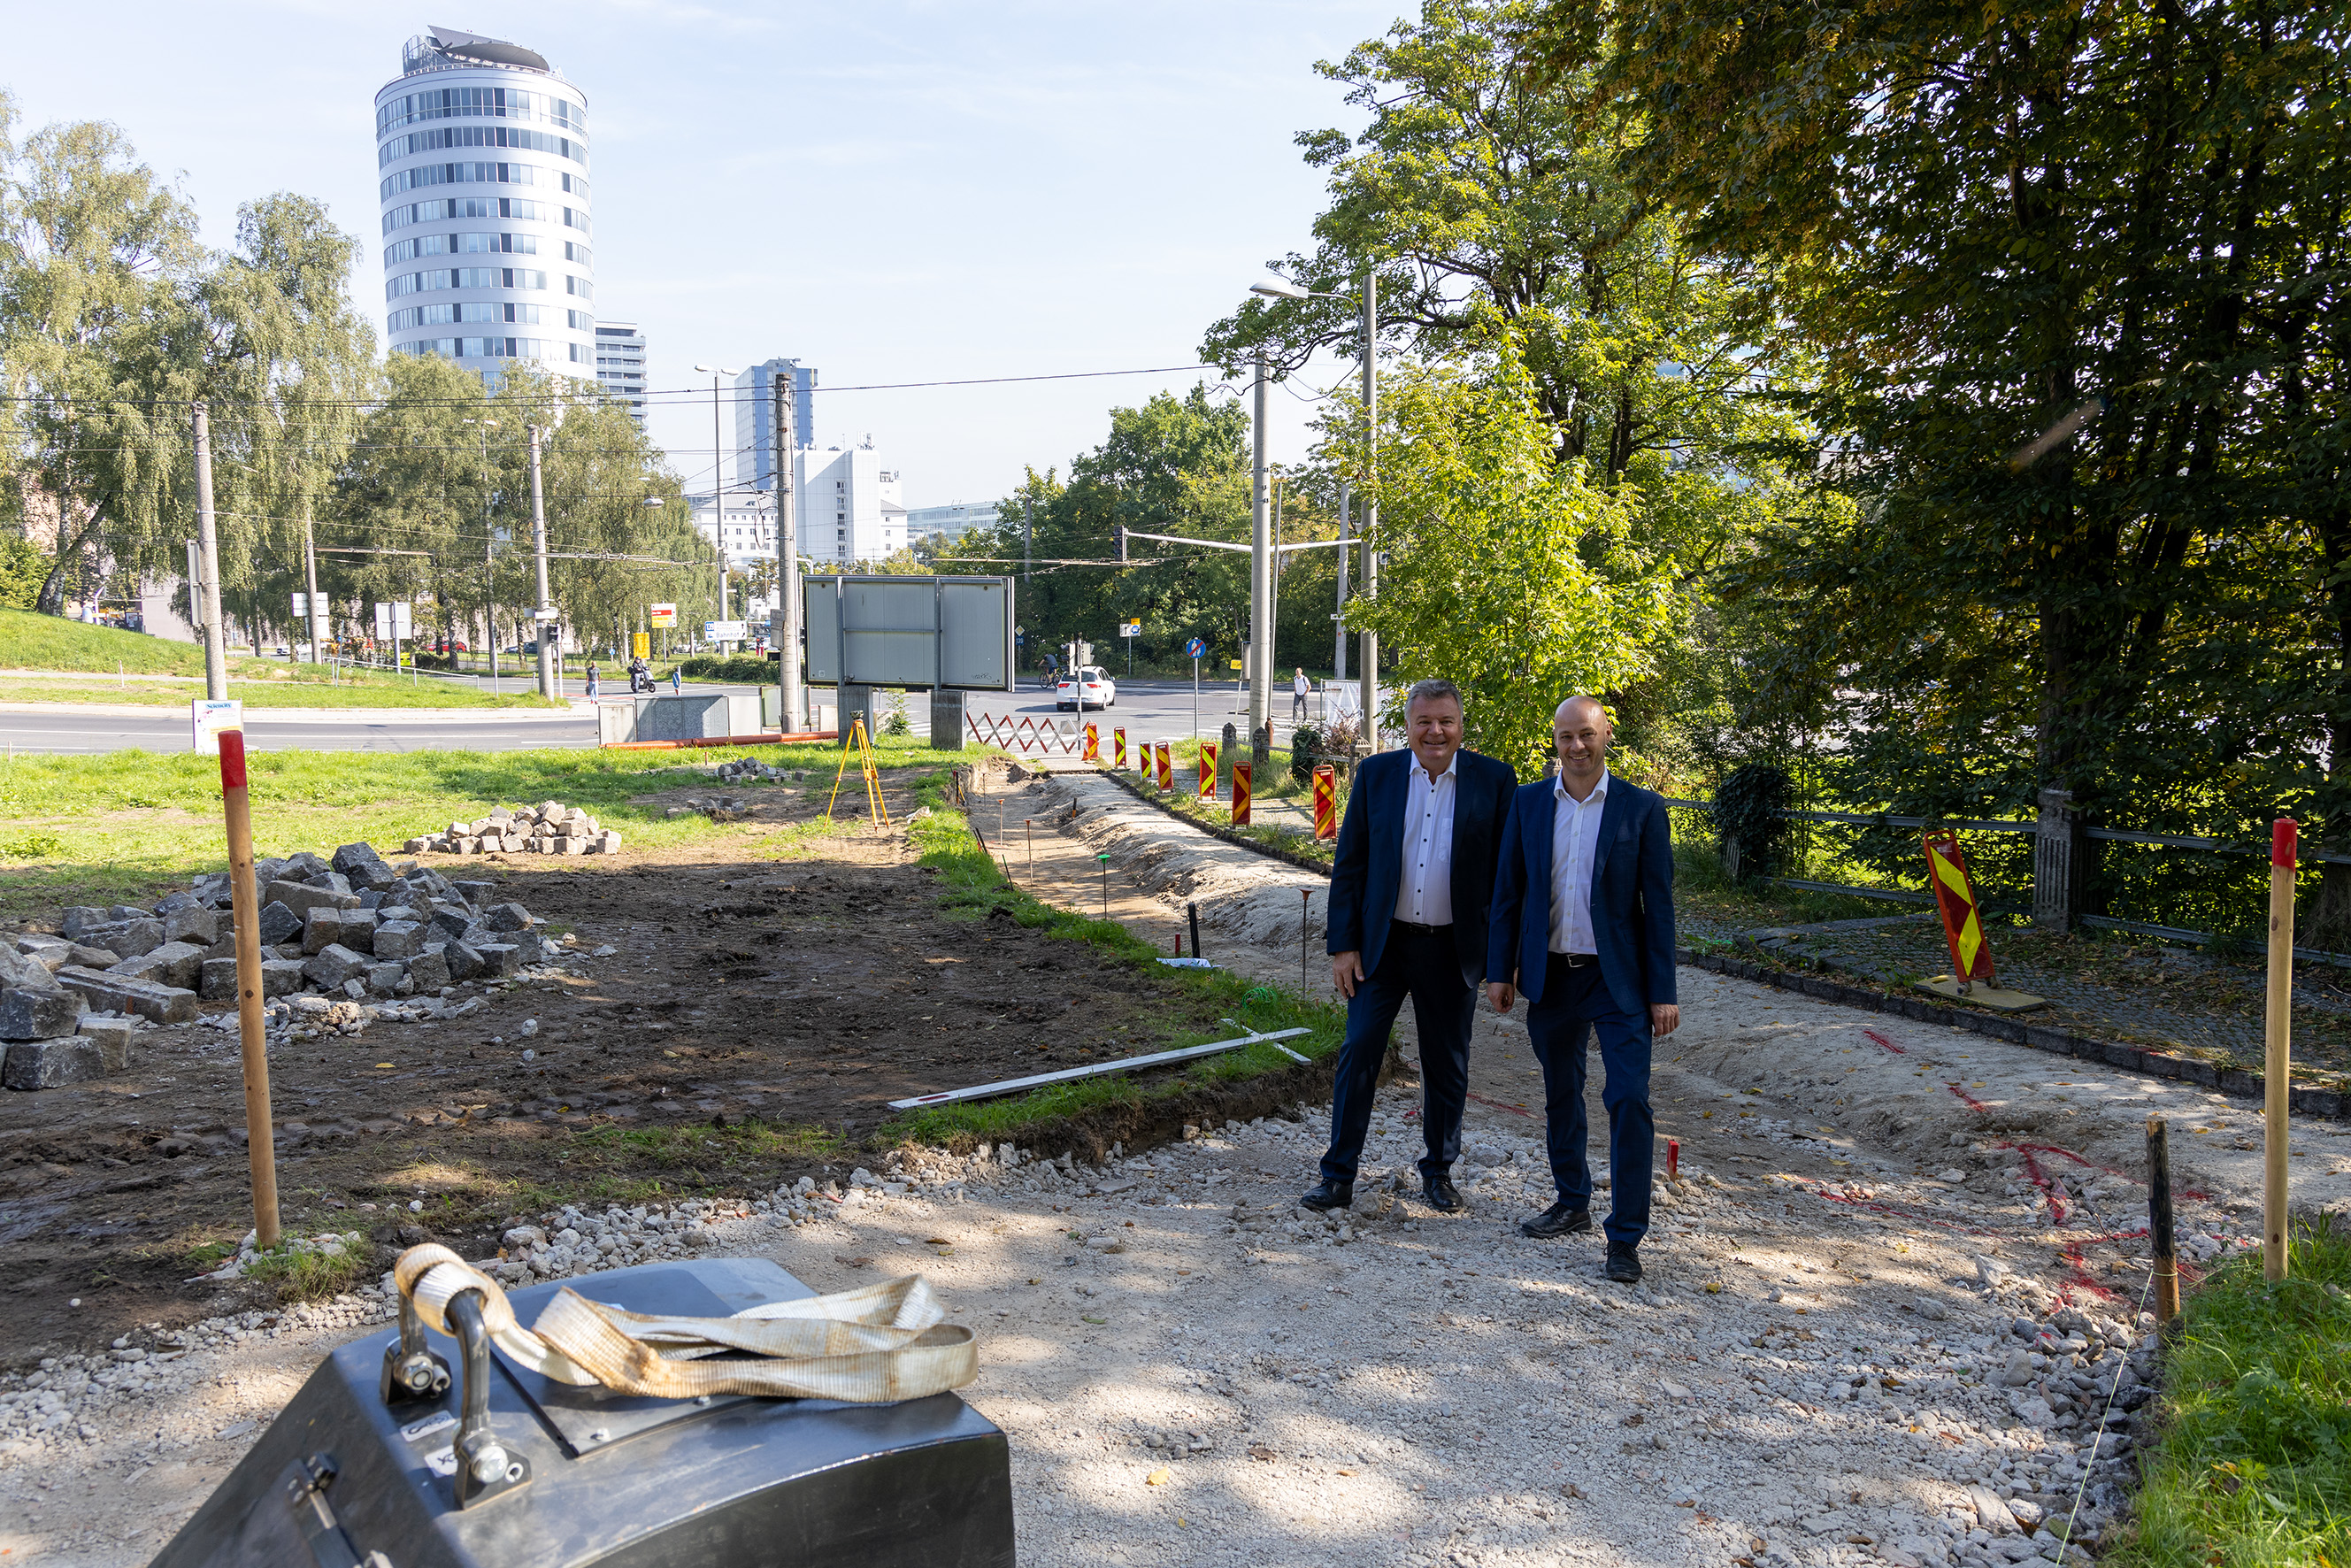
(1409, 889)
(1584, 926)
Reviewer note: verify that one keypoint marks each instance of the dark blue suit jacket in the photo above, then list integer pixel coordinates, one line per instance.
(1631, 896)
(1368, 869)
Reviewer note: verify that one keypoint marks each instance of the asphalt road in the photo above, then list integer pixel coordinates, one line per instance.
(1150, 710)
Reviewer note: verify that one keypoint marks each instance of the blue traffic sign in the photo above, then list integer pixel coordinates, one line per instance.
(1195, 649)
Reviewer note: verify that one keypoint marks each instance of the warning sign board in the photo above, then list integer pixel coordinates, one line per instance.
(1240, 794)
(1208, 771)
(1326, 803)
(1955, 898)
(1166, 767)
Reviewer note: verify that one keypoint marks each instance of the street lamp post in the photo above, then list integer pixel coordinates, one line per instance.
(482, 428)
(717, 480)
(1282, 288)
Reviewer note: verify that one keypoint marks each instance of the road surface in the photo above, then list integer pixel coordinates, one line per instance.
(1151, 710)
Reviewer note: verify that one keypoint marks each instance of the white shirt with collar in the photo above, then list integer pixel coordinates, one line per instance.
(1575, 836)
(1424, 895)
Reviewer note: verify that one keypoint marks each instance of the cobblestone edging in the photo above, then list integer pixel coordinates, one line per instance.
(1230, 837)
(2236, 1082)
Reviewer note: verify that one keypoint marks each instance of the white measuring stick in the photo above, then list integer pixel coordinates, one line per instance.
(1156, 1059)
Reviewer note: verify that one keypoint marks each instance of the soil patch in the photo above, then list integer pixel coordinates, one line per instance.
(769, 994)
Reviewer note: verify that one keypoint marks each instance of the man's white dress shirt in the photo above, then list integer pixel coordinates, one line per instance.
(1574, 834)
(1426, 893)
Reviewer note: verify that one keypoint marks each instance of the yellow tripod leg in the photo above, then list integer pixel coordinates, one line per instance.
(856, 738)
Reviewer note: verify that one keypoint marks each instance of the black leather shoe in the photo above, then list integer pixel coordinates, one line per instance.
(1330, 1195)
(1562, 1218)
(1441, 1194)
(1624, 1263)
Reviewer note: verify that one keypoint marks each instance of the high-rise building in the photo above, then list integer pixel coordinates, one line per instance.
(755, 418)
(621, 363)
(483, 151)
(950, 521)
(849, 509)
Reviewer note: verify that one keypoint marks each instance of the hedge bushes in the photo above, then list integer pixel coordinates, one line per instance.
(749, 668)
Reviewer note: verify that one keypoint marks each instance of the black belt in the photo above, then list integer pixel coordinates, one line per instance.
(1575, 960)
(1424, 930)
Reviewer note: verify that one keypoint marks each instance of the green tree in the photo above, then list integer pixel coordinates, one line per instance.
(1980, 220)
(1528, 581)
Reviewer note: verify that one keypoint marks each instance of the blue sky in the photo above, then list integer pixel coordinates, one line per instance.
(892, 191)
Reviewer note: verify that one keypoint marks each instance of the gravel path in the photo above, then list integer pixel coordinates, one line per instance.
(1888, 1306)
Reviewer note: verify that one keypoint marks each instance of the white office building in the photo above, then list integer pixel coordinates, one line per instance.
(950, 521)
(621, 363)
(482, 153)
(741, 523)
(849, 507)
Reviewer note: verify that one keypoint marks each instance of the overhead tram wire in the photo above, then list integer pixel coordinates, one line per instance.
(697, 395)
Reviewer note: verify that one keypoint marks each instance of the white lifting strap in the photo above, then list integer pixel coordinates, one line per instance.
(874, 1344)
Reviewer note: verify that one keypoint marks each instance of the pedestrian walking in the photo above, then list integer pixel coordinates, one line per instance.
(1298, 686)
(591, 682)
(676, 679)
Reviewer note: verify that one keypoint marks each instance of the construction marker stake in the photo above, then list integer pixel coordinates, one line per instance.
(1305, 908)
(1673, 1159)
(2277, 1065)
(1192, 913)
(245, 905)
(2159, 1235)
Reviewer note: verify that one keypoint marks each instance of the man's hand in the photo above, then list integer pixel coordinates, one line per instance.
(1502, 994)
(1664, 1019)
(1347, 973)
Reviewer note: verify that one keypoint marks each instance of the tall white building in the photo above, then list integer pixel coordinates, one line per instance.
(741, 523)
(621, 363)
(849, 508)
(482, 147)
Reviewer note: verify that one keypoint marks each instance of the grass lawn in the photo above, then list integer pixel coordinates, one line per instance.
(56, 647)
(2253, 1464)
(973, 886)
(98, 829)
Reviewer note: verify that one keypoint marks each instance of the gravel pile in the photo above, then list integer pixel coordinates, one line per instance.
(550, 827)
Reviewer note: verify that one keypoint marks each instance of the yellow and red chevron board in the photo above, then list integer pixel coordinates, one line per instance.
(1093, 743)
(1208, 771)
(1166, 767)
(1240, 794)
(1326, 802)
(1955, 896)
(1118, 748)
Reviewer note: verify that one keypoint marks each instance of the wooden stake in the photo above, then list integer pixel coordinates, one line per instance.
(2277, 1065)
(245, 910)
(2159, 1233)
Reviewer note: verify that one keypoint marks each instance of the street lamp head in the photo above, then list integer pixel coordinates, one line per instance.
(1281, 289)
(715, 371)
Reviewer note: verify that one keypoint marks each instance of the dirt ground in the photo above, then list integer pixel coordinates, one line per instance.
(770, 993)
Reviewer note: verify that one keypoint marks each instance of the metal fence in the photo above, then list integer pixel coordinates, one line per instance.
(2143, 882)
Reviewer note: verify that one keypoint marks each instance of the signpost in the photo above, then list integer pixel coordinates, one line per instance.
(207, 719)
(392, 625)
(663, 616)
(1131, 630)
(1196, 650)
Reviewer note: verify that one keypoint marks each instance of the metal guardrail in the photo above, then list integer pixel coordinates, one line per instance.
(2118, 835)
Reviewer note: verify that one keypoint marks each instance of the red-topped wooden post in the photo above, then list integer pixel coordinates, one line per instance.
(2277, 1065)
(247, 910)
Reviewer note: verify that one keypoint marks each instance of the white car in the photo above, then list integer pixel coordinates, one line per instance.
(1090, 687)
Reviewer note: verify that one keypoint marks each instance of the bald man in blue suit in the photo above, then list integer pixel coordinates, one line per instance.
(1583, 925)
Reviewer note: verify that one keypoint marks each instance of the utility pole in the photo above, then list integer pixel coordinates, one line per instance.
(1370, 589)
(207, 590)
(788, 554)
(1028, 532)
(482, 428)
(543, 617)
(310, 577)
(1346, 523)
(1260, 570)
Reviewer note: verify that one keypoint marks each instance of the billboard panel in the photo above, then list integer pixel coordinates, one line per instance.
(951, 632)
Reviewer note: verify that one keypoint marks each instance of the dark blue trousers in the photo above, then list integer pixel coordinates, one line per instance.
(1576, 1005)
(1424, 966)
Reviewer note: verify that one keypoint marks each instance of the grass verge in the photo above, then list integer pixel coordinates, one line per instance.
(85, 829)
(2252, 1467)
(973, 887)
(359, 689)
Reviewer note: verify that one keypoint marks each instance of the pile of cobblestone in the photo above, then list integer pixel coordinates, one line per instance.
(550, 827)
(338, 931)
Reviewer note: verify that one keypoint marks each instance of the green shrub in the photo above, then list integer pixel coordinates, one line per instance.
(751, 669)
